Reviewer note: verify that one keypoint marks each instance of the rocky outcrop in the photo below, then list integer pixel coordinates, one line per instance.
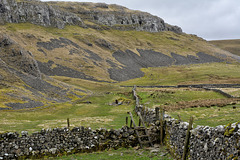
(139, 21)
(36, 12)
(54, 15)
(119, 17)
(19, 65)
(17, 58)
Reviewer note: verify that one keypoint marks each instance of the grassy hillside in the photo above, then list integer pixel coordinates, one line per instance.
(89, 53)
(189, 74)
(103, 43)
(232, 46)
(76, 55)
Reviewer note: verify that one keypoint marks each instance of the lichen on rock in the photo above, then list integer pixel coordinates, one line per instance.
(36, 12)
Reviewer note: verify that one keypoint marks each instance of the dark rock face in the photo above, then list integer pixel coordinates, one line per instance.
(57, 43)
(93, 55)
(60, 70)
(205, 58)
(30, 104)
(132, 63)
(16, 57)
(104, 44)
(179, 59)
(36, 12)
(151, 58)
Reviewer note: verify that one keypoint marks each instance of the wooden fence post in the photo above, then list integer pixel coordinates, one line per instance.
(131, 124)
(145, 114)
(68, 123)
(185, 151)
(139, 122)
(161, 126)
(163, 113)
(157, 113)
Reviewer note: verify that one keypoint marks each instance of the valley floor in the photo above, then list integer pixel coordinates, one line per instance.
(106, 105)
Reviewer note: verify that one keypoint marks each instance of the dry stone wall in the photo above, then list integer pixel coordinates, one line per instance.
(212, 87)
(221, 142)
(215, 142)
(60, 141)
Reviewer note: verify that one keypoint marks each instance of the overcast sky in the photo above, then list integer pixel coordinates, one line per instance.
(209, 19)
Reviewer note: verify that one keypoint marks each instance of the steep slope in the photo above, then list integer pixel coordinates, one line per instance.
(232, 46)
(42, 42)
(109, 55)
(22, 85)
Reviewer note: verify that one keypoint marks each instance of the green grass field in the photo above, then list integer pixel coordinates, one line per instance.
(159, 97)
(212, 116)
(125, 154)
(189, 74)
(100, 113)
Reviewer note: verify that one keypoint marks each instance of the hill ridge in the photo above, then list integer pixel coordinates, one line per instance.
(55, 14)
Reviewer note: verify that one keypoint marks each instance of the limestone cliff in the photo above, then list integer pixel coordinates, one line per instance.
(118, 17)
(36, 12)
(57, 14)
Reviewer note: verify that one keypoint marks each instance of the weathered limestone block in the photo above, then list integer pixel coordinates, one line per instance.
(36, 12)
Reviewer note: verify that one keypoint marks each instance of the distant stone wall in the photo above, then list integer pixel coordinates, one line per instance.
(212, 87)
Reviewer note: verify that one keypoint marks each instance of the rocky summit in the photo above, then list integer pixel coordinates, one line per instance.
(58, 15)
(36, 12)
(44, 45)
